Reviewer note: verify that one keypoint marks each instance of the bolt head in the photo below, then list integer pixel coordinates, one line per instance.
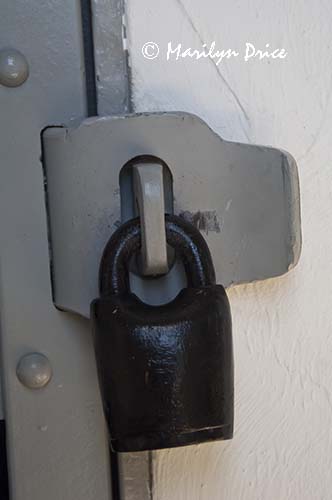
(14, 68)
(34, 370)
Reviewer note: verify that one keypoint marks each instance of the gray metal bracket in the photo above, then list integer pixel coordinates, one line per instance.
(244, 198)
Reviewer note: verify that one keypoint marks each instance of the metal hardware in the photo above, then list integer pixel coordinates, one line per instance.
(110, 57)
(136, 475)
(244, 198)
(149, 194)
(150, 358)
(53, 46)
(14, 69)
(34, 370)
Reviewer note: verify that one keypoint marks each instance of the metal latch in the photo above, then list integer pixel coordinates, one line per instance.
(243, 198)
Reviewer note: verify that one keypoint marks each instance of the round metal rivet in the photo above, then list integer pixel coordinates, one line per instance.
(14, 69)
(34, 370)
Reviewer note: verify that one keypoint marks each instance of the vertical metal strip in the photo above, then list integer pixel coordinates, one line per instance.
(114, 98)
(136, 476)
(110, 55)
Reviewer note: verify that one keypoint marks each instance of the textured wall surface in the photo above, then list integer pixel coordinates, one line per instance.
(282, 447)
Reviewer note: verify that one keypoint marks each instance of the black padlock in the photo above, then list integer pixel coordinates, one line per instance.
(165, 372)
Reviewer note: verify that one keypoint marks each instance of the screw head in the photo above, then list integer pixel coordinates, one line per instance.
(34, 370)
(14, 68)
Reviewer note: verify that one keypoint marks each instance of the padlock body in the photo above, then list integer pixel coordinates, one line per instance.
(165, 372)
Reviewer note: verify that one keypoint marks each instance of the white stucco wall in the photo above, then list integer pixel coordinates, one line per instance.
(282, 447)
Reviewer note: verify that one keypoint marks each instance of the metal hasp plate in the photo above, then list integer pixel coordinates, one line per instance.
(244, 198)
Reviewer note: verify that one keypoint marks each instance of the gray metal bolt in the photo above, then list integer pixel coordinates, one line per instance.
(14, 68)
(34, 370)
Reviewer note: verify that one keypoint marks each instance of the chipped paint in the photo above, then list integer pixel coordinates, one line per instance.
(206, 221)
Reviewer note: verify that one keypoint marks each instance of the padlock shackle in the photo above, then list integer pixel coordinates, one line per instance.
(186, 240)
